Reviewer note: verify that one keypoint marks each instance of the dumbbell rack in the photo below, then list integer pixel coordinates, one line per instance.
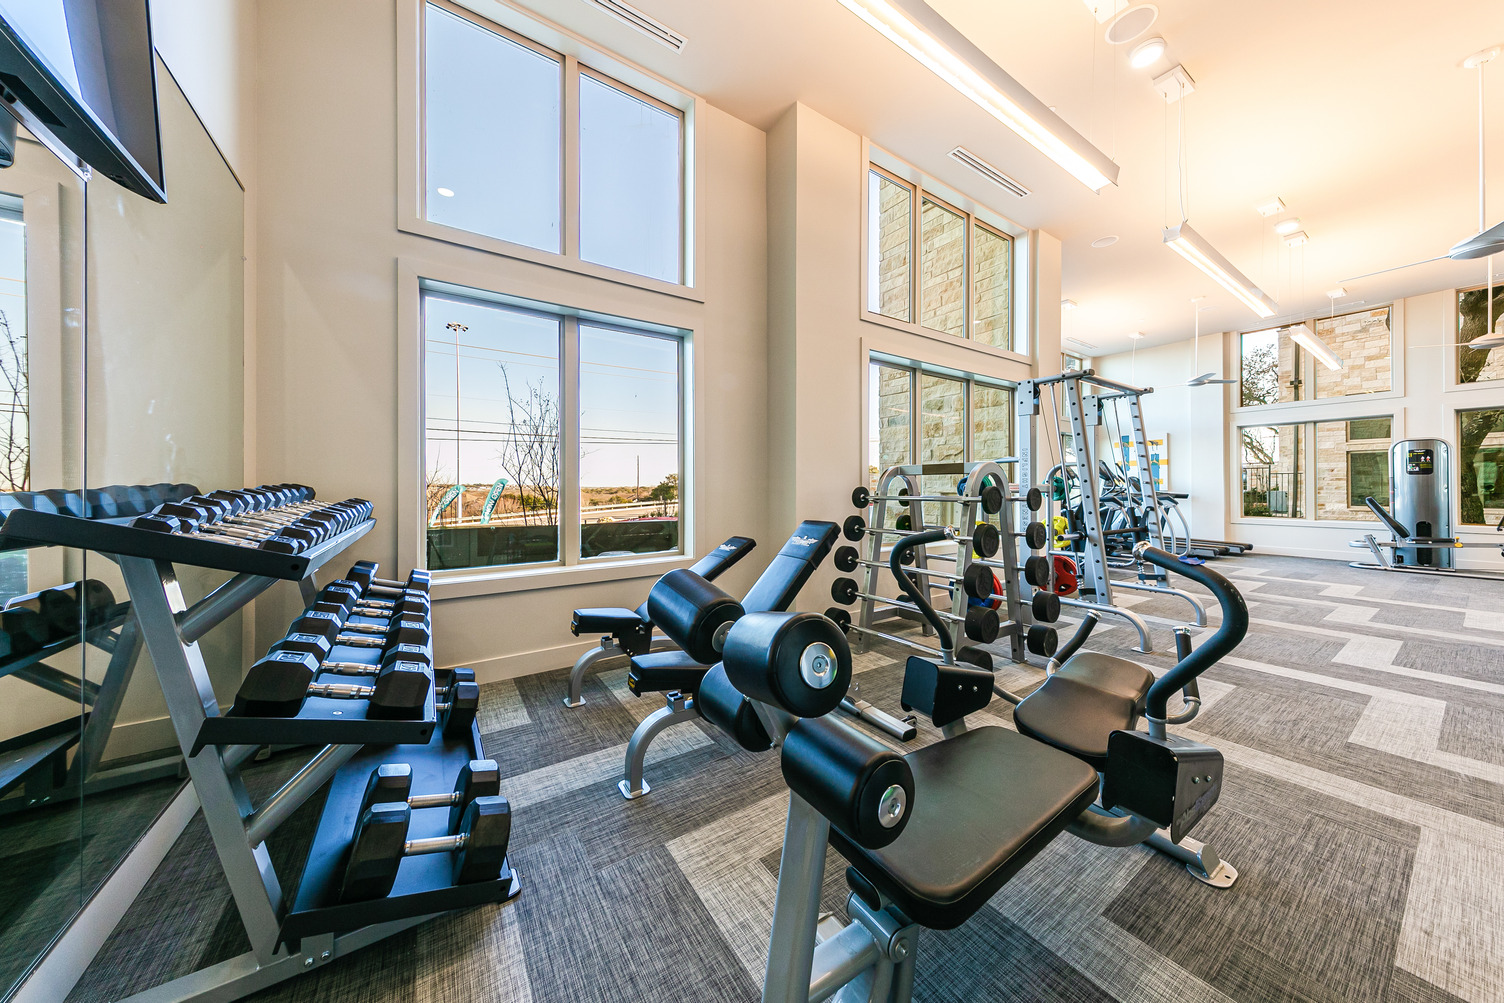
(910, 477)
(314, 930)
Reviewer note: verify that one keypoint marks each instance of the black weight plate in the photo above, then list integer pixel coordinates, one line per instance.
(846, 558)
(977, 581)
(861, 497)
(1042, 640)
(985, 539)
(982, 624)
(840, 617)
(992, 499)
(1034, 499)
(1046, 607)
(1036, 536)
(843, 591)
(854, 528)
(1037, 571)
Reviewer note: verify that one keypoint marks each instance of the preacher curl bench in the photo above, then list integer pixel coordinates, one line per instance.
(930, 836)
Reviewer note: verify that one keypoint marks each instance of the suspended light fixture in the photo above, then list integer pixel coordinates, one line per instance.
(1307, 339)
(916, 28)
(1205, 379)
(1193, 247)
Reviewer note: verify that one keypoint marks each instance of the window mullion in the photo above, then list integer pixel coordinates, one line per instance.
(571, 157)
(569, 480)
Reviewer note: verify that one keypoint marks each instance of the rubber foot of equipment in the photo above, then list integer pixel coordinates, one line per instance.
(574, 703)
(628, 793)
(1222, 877)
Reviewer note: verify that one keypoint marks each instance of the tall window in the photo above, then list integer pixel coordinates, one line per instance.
(1480, 465)
(936, 417)
(1352, 464)
(499, 423)
(495, 119)
(964, 286)
(1271, 367)
(1363, 342)
(1271, 470)
(15, 396)
(1474, 314)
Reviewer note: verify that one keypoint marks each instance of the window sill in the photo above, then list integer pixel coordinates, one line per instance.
(521, 252)
(469, 582)
(948, 339)
(1352, 400)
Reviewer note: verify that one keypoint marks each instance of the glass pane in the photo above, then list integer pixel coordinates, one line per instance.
(1352, 463)
(1475, 317)
(992, 423)
(992, 287)
(942, 438)
(630, 182)
(492, 111)
(629, 443)
(1361, 340)
(15, 429)
(942, 269)
(1271, 470)
(888, 434)
(888, 240)
(1071, 363)
(1480, 460)
(492, 434)
(1271, 367)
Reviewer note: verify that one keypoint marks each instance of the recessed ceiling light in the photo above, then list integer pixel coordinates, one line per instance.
(1146, 53)
(1132, 23)
(1296, 239)
(1135, 335)
(1067, 304)
(1286, 227)
(1272, 206)
(1106, 241)
(446, 192)
(1336, 294)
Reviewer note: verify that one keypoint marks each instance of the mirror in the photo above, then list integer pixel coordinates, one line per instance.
(121, 364)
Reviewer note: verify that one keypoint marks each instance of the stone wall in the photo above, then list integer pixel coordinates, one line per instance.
(942, 269)
(1334, 444)
(893, 263)
(1362, 341)
(992, 290)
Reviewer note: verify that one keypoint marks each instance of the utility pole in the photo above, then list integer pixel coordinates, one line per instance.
(637, 495)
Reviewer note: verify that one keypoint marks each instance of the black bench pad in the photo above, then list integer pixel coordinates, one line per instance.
(605, 620)
(985, 803)
(661, 671)
(1090, 697)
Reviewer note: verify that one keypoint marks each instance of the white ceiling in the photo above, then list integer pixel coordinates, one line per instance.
(1356, 112)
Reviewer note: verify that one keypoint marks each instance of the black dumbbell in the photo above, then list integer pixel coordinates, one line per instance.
(180, 527)
(277, 686)
(363, 573)
(457, 712)
(334, 627)
(348, 595)
(380, 842)
(392, 783)
(319, 647)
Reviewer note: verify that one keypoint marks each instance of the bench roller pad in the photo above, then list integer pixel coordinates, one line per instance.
(605, 620)
(1079, 707)
(661, 671)
(724, 706)
(985, 803)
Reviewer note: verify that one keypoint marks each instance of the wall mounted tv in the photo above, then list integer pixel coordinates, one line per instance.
(80, 76)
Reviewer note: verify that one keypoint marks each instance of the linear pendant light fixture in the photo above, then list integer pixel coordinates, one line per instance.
(1306, 338)
(1193, 247)
(916, 28)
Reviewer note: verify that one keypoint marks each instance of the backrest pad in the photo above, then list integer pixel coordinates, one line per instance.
(786, 574)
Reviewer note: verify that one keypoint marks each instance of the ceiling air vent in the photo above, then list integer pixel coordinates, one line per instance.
(964, 156)
(637, 19)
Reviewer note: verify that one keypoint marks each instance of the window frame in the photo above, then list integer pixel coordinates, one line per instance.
(578, 56)
(479, 284)
(1355, 409)
(1246, 414)
(1453, 352)
(917, 369)
(921, 186)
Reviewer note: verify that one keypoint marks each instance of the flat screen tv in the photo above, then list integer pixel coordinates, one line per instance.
(79, 74)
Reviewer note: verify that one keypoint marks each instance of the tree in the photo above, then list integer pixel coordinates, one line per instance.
(15, 425)
(1475, 426)
(666, 491)
(1261, 375)
(529, 452)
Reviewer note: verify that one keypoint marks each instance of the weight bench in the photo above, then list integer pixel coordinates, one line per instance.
(629, 631)
(678, 673)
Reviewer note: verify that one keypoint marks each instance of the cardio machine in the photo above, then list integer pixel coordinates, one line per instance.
(930, 836)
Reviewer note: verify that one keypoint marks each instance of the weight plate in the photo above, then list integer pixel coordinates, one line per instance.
(840, 617)
(1036, 536)
(1034, 499)
(861, 497)
(1042, 640)
(1046, 607)
(901, 499)
(992, 499)
(846, 558)
(854, 528)
(1037, 571)
(985, 539)
(843, 591)
(978, 582)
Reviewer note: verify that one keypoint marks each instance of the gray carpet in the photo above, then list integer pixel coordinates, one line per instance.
(1364, 807)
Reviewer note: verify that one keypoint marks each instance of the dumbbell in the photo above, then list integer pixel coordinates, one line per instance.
(65, 608)
(985, 538)
(319, 647)
(348, 595)
(168, 524)
(333, 626)
(363, 573)
(380, 842)
(277, 686)
(392, 783)
(327, 519)
(981, 623)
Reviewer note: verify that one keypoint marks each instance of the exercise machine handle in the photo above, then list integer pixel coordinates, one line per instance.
(1395, 527)
(1228, 636)
(908, 588)
(1090, 620)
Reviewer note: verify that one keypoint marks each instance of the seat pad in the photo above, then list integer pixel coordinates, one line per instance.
(661, 671)
(605, 620)
(985, 802)
(1078, 707)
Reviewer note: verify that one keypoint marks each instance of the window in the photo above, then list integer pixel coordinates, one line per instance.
(965, 284)
(889, 207)
(1474, 315)
(937, 417)
(1071, 363)
(1480, 462)
(1362, 341)
(499, 424)
(1271, 367)
(15, 397)
(1271, 470)
(1352, 464)
(494, 122)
